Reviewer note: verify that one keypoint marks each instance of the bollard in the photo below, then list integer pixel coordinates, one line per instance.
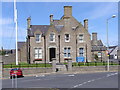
(54, 64)
(70, 64)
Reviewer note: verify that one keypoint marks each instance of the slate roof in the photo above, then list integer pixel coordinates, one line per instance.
(59, 27)
(99, 46)
(42, 28)
(55, 22)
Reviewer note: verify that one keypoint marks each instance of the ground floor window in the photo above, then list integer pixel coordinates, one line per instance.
(38, 53)
(99, 54)
(67, 52)
(81, 52)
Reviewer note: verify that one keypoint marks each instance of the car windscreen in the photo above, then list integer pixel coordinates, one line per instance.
(15, 69)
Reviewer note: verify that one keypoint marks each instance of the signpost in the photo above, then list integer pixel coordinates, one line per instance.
(14, 81)
(80, 59)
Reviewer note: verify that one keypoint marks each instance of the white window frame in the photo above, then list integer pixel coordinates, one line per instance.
(99, 54)
(38, 53)
(81, 54)
(67, 52)
(81, 39)
(39, 38)
(66, 38)
(53, 37)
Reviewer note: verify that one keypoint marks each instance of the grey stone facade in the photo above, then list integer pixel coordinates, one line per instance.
(66, 25)
(63, 39)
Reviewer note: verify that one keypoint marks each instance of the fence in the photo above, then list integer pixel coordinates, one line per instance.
(26, 65)
(104, 63)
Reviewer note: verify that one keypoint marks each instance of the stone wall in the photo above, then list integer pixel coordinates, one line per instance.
(81, 69)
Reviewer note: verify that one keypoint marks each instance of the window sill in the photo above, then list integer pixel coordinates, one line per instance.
(37, 59)
(38, 42)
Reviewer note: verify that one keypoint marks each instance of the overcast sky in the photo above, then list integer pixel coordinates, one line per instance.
(96, 12)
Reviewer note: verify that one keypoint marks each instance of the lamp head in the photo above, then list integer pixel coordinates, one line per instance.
(113, 16)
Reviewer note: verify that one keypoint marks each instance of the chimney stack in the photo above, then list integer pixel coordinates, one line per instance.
(28, 22)
(86, 24)
(67, 11)
(94, 38)
(51, 19)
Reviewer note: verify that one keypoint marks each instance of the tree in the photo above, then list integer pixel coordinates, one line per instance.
(2, 52)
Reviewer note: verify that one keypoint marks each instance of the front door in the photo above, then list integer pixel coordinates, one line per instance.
(52, 53)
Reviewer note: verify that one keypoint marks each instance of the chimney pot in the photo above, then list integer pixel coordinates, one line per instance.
(86, 24)
(51, 18)
(28, 22)
(94, 38)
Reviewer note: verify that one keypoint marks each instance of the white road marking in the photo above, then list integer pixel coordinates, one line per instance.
(40, 76)
(108, 75)
(71, 75)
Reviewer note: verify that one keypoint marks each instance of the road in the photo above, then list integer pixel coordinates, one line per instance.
(91, 80)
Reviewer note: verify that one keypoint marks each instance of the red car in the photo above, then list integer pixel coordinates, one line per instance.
(16, 72)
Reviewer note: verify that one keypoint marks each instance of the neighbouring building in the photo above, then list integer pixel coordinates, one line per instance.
(98, 49)
(113, 51)
(63, 39)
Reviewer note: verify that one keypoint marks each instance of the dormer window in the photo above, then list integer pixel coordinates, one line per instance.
(67, 37)
(52, 37)
(81, 38)
(38, 38)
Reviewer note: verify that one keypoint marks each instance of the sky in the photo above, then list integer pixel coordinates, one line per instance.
(96, 12)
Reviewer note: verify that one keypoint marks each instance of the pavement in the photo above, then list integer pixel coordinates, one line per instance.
(67, 80)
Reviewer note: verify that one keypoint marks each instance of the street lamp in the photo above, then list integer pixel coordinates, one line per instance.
(113, 16)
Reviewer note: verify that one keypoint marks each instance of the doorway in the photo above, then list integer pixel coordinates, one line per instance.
(52, 53)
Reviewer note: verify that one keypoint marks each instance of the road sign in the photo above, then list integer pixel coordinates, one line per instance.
(80, 59)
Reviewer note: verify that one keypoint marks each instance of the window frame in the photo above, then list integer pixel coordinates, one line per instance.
(66, 38)
(52, 37)
(67, 52)
(81, 39)
(39, 38)
(81, 54)
(39, 53)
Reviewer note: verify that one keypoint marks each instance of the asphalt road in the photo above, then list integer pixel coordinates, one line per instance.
(91, 80)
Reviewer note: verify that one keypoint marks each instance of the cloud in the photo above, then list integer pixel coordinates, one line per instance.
(4, 21)
(104, 9)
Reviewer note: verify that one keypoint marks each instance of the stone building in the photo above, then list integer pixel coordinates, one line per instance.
(63, 39)
(98, 49)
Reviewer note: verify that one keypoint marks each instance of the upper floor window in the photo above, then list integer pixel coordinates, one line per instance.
(81, 52)
(81, 37)
(67, 52)
(52, 37)
(38, 37)
(67, 38)
(38, 53)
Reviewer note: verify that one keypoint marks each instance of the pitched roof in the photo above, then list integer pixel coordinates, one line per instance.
(99, 48)
(42, 28)
(99, 43)
(59, 27)
(55, 22)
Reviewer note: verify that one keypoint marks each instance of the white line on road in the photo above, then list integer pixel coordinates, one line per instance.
(71, 75)
(108, 75)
